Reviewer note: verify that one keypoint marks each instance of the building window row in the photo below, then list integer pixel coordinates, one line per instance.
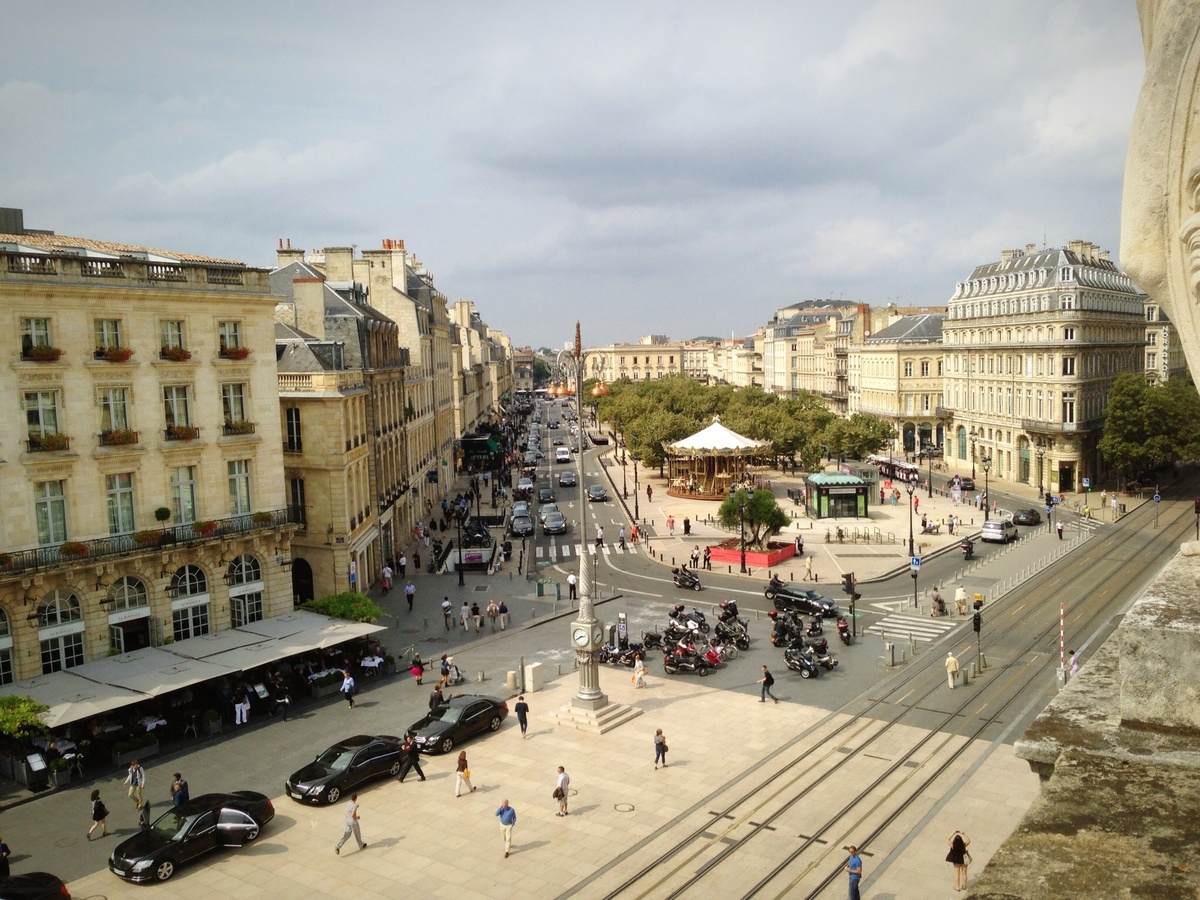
(37, 340)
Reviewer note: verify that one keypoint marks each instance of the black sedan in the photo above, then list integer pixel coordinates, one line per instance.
(1027, 517)
(33, 886)
(554, 523)
(566, 479)
(456, 720)
(597, 493)
(804, 600)
(346, 764)
(190, 830)
(521, 526)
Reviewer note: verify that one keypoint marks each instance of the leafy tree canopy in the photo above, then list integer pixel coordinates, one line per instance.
(347, 605)
(762, 515)
(1149, 426)
(21, 717)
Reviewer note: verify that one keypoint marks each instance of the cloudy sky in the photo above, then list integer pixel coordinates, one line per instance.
(682, 168)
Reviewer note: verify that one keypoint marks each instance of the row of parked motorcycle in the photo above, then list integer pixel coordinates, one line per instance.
(690, 644)
(806, 649)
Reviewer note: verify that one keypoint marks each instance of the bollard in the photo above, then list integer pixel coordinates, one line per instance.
(510, 681)
(479, 677)
(965, 678)
(889, 654)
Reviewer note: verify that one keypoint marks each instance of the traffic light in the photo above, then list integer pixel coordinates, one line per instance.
(1050, 500)
(977, 621)
(1198, 507)
(848, 578)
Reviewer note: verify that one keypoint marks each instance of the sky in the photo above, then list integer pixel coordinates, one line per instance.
(678, 168)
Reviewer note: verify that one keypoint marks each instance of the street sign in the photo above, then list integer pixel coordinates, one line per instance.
(1087, 482)
(1157, 497)
(1049, 509)
(915, 563)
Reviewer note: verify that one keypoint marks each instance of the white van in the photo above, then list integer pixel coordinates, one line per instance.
(562, 454)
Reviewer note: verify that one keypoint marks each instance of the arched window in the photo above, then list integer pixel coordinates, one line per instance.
(6, 665)
(64, 649)
(129, 593)
(59, 608)
(244, 570)
(188, 582)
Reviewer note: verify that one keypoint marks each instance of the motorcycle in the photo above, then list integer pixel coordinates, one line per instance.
(799, 659)
(677, 615)
(652, 640)
(814, 628)
(729, 615)
(843, 630)
(686, 579)
(968, 548)
(819, 655)
(679, 660)
(628, 657)
(737, 636)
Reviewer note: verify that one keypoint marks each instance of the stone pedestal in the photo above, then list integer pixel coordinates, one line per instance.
(598, 720)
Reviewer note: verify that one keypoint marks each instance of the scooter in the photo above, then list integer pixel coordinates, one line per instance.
(799, 659)
(822, 657)
(684, 578)
(734, 634)
(678, 660)
(677, 615)
(814, 628)
(968, 549)
(843, 629)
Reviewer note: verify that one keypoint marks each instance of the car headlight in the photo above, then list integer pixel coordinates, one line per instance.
(143, 865)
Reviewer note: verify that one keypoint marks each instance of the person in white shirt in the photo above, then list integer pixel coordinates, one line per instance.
(560, 788)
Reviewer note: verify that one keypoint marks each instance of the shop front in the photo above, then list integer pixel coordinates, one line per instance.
(828, 496)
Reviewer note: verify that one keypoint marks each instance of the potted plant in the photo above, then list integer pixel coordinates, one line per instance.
(118, 437)
(6, 560)
(43, 353)
(262, 518)
(206, 528)
(235, 352)
(327, 684)
(162, 514)
(240, 427)
(146, 536)
(55, 441)
(60, 772)
(211, 723)
(137, 747)
(175, 354)
(72, 549)
(182, 432)
(389, 665)
(114, 354)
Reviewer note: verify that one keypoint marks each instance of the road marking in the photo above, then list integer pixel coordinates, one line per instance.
(921, 628)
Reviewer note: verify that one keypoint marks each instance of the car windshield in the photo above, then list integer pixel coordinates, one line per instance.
(448, 714)
(336, 758)
(173, 825)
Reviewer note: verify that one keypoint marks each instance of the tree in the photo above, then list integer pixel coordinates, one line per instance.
(21, 717)
(347, 605)
(858, 436)
(1150, 426)
(762, 515)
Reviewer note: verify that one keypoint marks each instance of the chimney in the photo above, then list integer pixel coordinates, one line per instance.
(309, 297)
(286, 255)
(339, 263)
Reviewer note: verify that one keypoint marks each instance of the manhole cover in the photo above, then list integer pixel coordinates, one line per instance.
(623, 807)
(66, 842)
(480, 588)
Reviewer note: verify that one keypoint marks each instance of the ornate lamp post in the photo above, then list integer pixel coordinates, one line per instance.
(910, 487)
(458, 518)
(986, 462)
(973, 436)
(1040, 450)
(929, 476)
(742, 528)
(636, 491)
(624, 479)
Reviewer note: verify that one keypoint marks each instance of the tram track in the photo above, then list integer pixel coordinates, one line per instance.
(871, 728)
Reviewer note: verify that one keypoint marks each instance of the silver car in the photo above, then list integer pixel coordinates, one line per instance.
(999, 531)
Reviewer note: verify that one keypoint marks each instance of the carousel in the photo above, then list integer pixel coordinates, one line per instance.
(710, 463)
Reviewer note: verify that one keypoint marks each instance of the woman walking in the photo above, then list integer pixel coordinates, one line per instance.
(462, 775)
(660, 749)
(639, 671)
(959, 857)
(99, 815)
(418, 668)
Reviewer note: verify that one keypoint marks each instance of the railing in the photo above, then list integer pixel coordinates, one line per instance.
(223, 276)
(234, 352)
(101, 268)
(48, 443)
(319, 382)
(181, 433)
(25, 264)
(165, 272)
(21, 562)
(1037, 425)
(120, 437)
(230, 428)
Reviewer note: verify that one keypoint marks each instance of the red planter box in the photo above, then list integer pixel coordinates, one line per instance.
(731, 552)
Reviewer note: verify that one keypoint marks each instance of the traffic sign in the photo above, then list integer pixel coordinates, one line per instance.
(915, 562)
(1087, 482)
(1157, 497)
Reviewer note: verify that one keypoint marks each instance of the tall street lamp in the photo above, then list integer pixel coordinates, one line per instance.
(1040, 450)
(742, 526)
(974, 434)
(458, 519)
(910, 486)
(624, 480)
(929, 477)
(986, 461)
(636, 490)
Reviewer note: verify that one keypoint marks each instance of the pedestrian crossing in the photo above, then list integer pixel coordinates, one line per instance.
(568, 551)
(899, 626)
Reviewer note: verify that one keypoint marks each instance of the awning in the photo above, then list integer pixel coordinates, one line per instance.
(153, 671)
(71, 697)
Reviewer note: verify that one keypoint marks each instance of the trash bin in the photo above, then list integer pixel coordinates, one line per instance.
(1121, 507)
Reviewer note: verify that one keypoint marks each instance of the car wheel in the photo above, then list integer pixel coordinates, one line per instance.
(769, 594)
(804, 673)
(252, 833)
(446, 745)
(164, 870)
(494, 725)
(701, 670)
(395, 769)
(333, 796)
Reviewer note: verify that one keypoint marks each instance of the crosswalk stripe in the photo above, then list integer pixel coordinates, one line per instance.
(922, 629)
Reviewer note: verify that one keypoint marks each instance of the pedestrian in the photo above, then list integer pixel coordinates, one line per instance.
(916, 503)
(572, 587)
(951, 670)
(99, 817)
(633, 533)
(1073, 665)
(799, 545)
(179, 790)
(241, 706)
(462, 775)
(707, 558)
(695, 557)
(561, 786)
(503, 615)
(136, 781)
(410, 592)
(476, 617)
(417, 560)
(402, 565)
(447, 612)
(5, 853)
(808, 572)
(522, 711)
(639, 671)
(347, 688)
(280, 701)
(671, 525)
(351, 826)
(436, 697)
(766, 681)
(418, 668)
(599, 538)
(960, 600)
(464, 613)
(660, 749)
(881, 496)
(444, 671)
(854, 870)
(492, 612)
(508, 818)
(959, 856)
(386, 581)
(412, 758)
(649, 493)
(1059, 527)
(621, 537)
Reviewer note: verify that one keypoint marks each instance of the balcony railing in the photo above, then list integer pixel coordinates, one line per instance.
(165, 272)
(101, 268)
(1038, 426)
(181, 433)
(230, 428)
(26, 264)
(234, 352)
(119, 437)
(48, 443)
(72, 553)
(943, 412)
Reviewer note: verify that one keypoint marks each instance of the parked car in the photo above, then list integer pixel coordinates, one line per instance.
(998, 531)
(1027, 517)
(567, 479)
(520, 508)
(190, 830)
(521, 526)
(456, 720)
(346, 764)
(554, 523)
(34, 886)
(597, 493)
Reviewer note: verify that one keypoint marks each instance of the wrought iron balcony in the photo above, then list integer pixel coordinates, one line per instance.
(70, 553)
(118, 437)
(181, 433)
(230, 428)
(48, 443)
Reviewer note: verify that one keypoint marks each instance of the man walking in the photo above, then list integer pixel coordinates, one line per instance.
(412, 758)
(503, 615)
(671, 525)
(649, 493)
(621, 537)
(508, 818)
(136, 781)
(447, 612)
(351, 826)
(766, 681)
(808, 572)
(573, 586)
(951, 670)
(1059, 527)
(410, 591)
(854, 870)
(522, 711)
(465, 614)
(179, 790)
(599, 538)
(402, 565)
(561, 786)
(435, 697)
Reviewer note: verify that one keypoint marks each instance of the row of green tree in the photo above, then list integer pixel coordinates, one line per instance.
(1150, 426)
(649, 413)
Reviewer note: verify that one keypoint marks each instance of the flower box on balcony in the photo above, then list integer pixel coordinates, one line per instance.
(42, 353)
(44, 443)
(205, 529)
(6, 560)
(118, 437)
(235, 352)
(262, 518)
(146, 537)
(182, 433)
(114, 354)
(72, 549)
(175, 354)
(239, 428)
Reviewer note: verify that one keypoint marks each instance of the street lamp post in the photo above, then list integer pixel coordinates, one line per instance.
(986, 461)
(624, 481)
(458, 517)
(973, 436)
(929, 477)
(636, 491)
(742, 525)
(1040, 450)
(909, 486)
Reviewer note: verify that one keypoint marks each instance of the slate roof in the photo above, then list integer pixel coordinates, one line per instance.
(79, 246)
(922, 329)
